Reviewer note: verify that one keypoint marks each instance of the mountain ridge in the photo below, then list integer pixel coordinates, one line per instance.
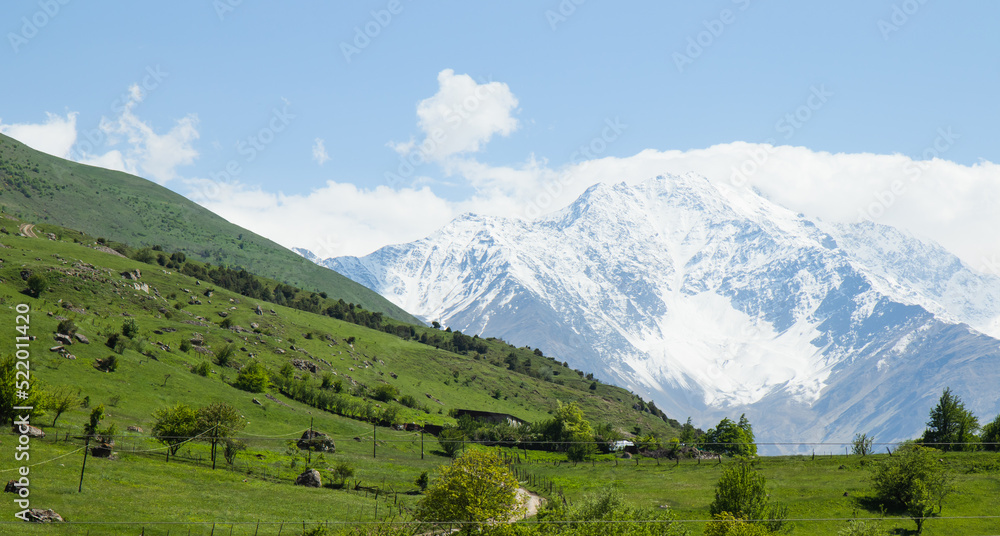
(708, 298)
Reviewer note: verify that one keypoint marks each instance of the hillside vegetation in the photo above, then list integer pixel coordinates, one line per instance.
(128, 209)
(176, 339)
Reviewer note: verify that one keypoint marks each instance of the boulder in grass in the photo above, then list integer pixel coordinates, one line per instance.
(309, 479)
(37, 515)
(31, 432)
(318, 441)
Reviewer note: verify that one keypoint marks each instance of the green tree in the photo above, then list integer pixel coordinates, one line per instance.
(253, 377)
(912, 481)
(741, 491)
(575, 432)
(174, 426)
(728, 437)
(10, 386)
(217, 422)
(951, 426)
(422, 481)
(862, 444)
(130, 328)
(37, 283)
(61, 400)
(687, 433)
(991, 435)
(341, 472)
(93, 427)
(451, 440)
(476, 489)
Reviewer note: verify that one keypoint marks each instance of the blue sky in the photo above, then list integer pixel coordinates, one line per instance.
(293, 118)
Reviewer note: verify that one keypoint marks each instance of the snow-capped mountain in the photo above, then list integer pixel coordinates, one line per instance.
(713, 301)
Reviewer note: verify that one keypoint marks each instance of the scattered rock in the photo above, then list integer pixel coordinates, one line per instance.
(31, 432)
(309, 478)
(258, 402)
(258, 310)
(223, 314)
(37, 515)
(318, 441)
(254, 325)
(302, 364)
(393, 374)
(135, 429)
(62, 338)
(275, 400)
(82, 338)
(11, 487)
(133, 274)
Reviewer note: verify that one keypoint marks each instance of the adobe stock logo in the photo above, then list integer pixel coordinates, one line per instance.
(366, 33)
(31, 26)
(700, 42)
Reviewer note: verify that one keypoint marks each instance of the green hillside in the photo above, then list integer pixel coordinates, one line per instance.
(124, 208)
(184, 327)
(185, 324)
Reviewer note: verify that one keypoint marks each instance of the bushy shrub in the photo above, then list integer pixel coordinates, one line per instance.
(66, 327)
(253, 377)
(341, 472)
(225, 355)
(203, 369)
(130, 328)
(385, 392)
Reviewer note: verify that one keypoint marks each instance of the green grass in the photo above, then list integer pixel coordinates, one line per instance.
(41, 189)
(811, 488)
(141, 487)
(87, 287)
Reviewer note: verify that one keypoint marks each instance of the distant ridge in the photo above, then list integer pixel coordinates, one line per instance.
(714, 301)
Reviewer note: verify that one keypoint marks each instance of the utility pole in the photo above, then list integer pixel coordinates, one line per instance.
(86, 448)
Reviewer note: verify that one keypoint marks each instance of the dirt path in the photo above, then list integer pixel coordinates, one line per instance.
(532, 503)
(27, 229)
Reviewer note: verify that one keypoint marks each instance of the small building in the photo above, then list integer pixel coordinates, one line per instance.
(618, 446)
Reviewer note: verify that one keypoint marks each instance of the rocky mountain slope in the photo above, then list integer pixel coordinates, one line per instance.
(714, 301)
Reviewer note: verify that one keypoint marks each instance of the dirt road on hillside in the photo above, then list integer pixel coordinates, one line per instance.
(27, 229)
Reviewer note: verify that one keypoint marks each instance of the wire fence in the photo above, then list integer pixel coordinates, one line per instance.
(532, 463)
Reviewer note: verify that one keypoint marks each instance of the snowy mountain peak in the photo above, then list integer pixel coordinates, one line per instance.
(713, 301)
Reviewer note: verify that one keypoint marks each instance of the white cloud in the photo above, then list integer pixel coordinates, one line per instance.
(319, 151)
(461, 117)
(55, 136)
(949, 203)
(337, 219)
(936, 199)
(148, 154)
